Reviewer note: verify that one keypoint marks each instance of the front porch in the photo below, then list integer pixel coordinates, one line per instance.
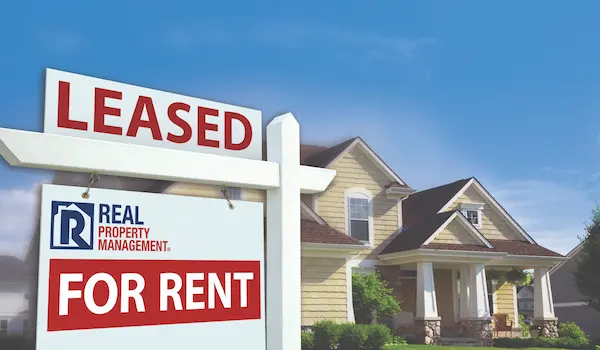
(446, 294)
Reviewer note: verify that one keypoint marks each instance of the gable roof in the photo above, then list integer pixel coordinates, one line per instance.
(423, 214)
(494, 203)
(313, 229)
(12, 269)
(524, 290)
(329, 156)
(569, 255)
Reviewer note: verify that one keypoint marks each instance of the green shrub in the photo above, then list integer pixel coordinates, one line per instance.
(524, 326)
(371, 293)
(352, 336)
(398, 340)
(307, 341)
(326, 334)
(541, 342)
(572, 331)
(378, 335)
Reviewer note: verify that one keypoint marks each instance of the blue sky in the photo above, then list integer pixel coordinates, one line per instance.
(507, 92)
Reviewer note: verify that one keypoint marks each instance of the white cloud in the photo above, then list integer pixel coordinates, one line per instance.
(295, 35)
(18, 215)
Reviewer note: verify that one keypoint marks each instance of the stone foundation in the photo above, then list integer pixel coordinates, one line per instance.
(548, 328)
(429, 332)
(478, 329)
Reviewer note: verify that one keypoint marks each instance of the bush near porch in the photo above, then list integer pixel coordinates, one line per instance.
(329, 335)
(571, 336)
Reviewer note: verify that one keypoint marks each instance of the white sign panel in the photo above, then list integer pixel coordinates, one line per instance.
(87, 107)
(130, 270)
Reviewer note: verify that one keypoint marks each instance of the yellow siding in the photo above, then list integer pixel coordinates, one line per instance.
(505, 301)
(323, 290)
(356, 169)
(455, 233)
(494, 226)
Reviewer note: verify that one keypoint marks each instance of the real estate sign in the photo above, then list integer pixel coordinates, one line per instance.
(149, 271)
(88, 107)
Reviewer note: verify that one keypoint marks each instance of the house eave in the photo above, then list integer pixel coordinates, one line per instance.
(331, 250)
(398, 192)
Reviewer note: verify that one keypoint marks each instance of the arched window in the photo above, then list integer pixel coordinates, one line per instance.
(359, 215)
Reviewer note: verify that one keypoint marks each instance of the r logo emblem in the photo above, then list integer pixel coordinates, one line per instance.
(72, 225)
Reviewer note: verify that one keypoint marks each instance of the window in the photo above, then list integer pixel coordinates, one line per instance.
(359, 218)
(409, 274)
(235, 193)
(3, 327)
(473, 213)
(359, 215)
(26, 296)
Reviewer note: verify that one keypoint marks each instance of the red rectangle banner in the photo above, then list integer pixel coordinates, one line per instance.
(88, 294)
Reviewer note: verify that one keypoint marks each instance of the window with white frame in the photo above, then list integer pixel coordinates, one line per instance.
(359, 216)
(234, 193)
(473, 213)
(3, 327)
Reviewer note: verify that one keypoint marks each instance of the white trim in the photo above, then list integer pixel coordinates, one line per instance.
(465, 223)
(376, 159)
(132, 161)
(488, 197)
(361, 192)
(399, 206)
(315, 207)
(311, 213)
(477, 207)
(349, 301)
(332, 246)
(573, 304)
(515, 308)
(494, 309)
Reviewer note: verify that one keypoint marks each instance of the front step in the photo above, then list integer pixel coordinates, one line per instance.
(461, 341)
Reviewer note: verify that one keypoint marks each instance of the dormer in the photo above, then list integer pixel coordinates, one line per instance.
(473, 212)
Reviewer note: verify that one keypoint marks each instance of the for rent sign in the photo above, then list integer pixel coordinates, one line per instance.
(149, 271)
(82, 106)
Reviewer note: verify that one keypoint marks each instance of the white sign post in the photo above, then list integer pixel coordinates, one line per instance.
(98, 126)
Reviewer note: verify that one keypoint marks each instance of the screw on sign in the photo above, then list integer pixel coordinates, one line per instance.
(87, 294)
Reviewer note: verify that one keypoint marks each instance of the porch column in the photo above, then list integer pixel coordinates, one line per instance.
(427, 321)
(475, 320)
(543, 305)
(478, 296)
(464, 312)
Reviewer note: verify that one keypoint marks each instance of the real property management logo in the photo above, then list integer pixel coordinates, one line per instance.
(72, 225)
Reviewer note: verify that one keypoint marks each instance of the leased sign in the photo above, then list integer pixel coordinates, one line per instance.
(82, 106)
(118, 268)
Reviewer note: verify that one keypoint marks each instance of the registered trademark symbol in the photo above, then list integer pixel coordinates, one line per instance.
(168, 249)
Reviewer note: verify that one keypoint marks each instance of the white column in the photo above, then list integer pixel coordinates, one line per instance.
(426, 299)
(478, 296)
(283, 310)
(543, 305)
(464, 312)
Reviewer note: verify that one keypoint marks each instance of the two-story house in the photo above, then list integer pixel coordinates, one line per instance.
(525, 301)
(433, 246)
(13, 296)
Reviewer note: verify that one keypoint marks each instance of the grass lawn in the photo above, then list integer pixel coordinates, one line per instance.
(410, 347)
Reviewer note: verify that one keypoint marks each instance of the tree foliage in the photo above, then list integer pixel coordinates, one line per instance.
(587, 277)
(370, 293)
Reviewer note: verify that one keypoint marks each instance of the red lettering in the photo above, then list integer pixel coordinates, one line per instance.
(229, 117)
(185, 127)
(64, 98)
(99, 293)
(203, 126)
(144, 102)
(101, 110)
